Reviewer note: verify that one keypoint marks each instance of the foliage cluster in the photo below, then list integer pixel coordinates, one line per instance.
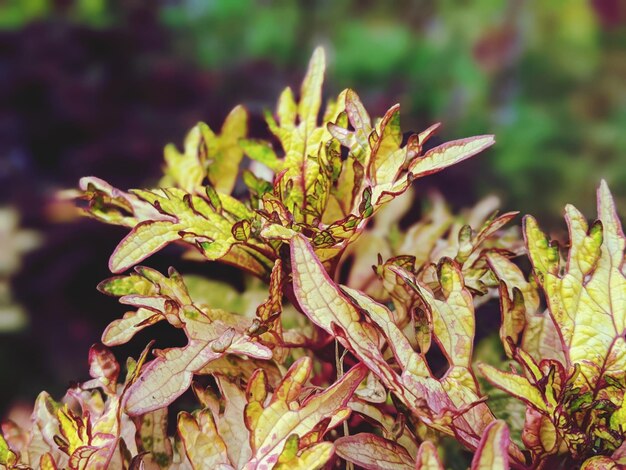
(380, 372)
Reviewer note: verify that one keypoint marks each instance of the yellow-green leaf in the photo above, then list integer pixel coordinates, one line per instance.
(203, 445)
(492, 454)
(448, 154)
(588, 299)
(515, 385)
(272, 423)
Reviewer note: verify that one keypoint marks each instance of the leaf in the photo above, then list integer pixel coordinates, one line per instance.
(302, 140)
(162, 216)
(588, 322)
(203, 445)
(207, 154)
(332, 310)
(387, 157)
(515, 385)
(600, 462)
(192, 220)
(7, 456)
(453, 317)
(187, 170)
(90, 442)
(170, 374)
(521, 315)
(262, 152)
(447, 154)
(230, 423)
(427, 457)
(119, 286)
(113, 206)
(373, 452)
(586, 300)
(272, 422)
(104, 369)
(311, 92)
(540, 435)
(211, 334)
(312, 458)
(152, 437)
(225, 154)
(492, 454)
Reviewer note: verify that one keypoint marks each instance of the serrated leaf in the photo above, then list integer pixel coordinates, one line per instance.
(588, 322)
(113, 206)
(206, 154)
(190, 216)
(203, 445)
(187, 170)
(539, 337)
(453, 317)
(169, 375)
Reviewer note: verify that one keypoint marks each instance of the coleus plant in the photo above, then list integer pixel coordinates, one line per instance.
(327, 362)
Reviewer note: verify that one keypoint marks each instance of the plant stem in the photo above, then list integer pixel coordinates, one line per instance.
(339, 366)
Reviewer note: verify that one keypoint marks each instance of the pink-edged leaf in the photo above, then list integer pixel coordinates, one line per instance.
(327, 306)
(103, 368)
(586, 297)
(373, 452)
(492, 453)
(427, 457)
(169, 375)
(121, 331)
(448, 154)
(151, 437)
(272, 422)
(515, 385)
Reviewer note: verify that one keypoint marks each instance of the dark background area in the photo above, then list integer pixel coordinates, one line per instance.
(91, 87)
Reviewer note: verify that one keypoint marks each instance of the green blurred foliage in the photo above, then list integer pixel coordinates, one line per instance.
(15, 14)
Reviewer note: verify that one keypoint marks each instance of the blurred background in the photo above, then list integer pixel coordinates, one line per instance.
(95, 87)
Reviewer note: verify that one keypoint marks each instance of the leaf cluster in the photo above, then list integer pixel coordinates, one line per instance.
(375, 368)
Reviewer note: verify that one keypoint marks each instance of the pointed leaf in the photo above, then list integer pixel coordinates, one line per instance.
(448, 154)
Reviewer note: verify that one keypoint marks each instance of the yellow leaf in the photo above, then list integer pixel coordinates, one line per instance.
(203, 445)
